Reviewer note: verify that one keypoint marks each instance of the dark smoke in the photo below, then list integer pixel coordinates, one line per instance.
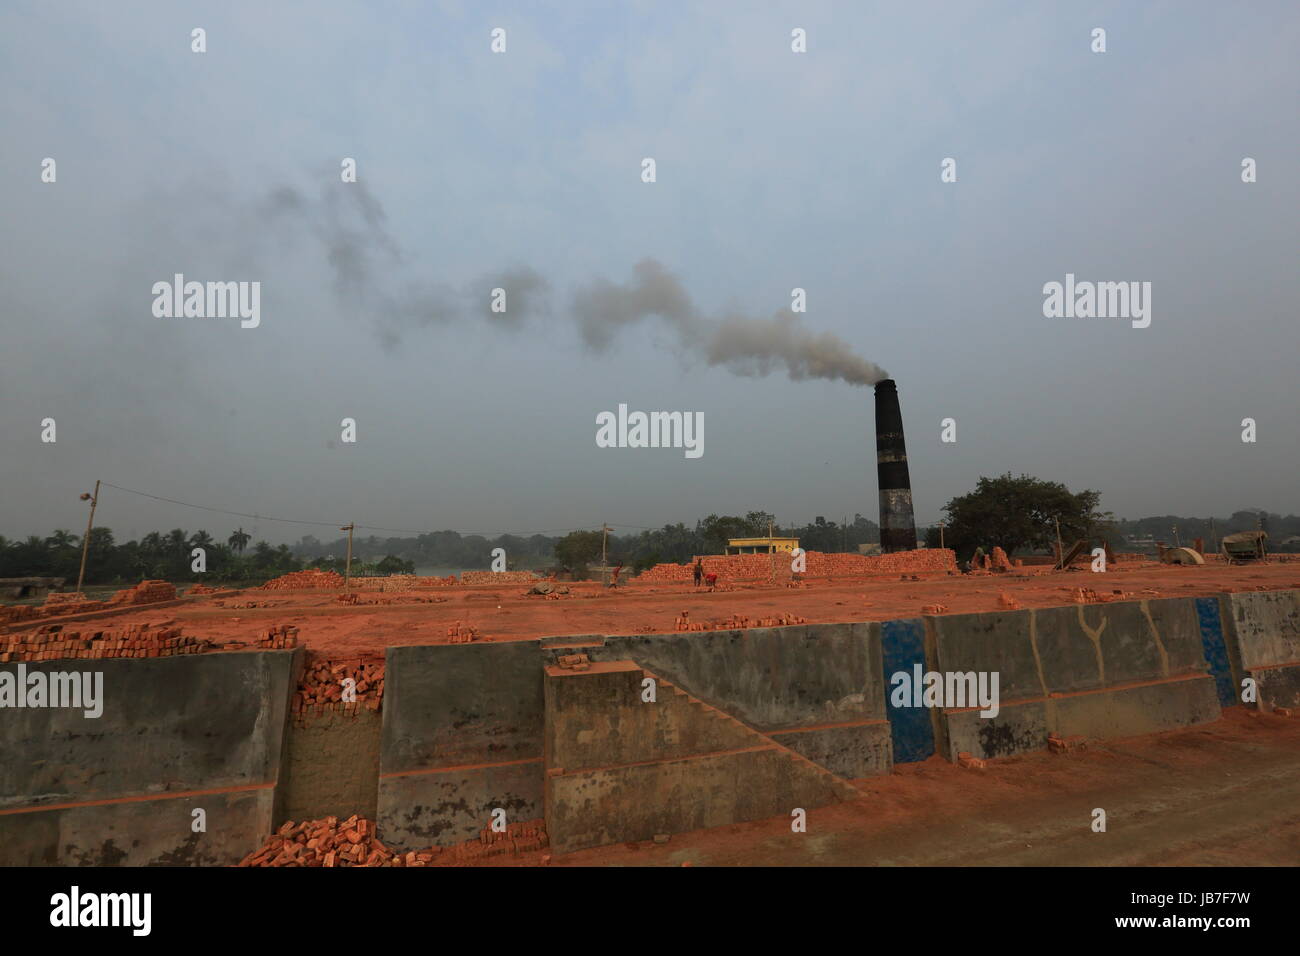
(366, 262)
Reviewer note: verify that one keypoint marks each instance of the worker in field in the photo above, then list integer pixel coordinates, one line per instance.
(613, 581)
(711, 579)
(699, 572)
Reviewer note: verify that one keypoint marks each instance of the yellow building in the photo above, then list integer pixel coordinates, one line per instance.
(761, 545)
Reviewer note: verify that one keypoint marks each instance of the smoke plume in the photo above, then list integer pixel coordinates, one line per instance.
(367, 265)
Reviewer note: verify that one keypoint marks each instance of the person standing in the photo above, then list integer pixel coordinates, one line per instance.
(699, 572)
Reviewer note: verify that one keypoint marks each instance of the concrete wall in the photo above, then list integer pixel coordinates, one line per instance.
(1263, 632)
(178, 733)
(1100, 670)
(462, 735)
(621, 768)
(332, 767)
(817, 689)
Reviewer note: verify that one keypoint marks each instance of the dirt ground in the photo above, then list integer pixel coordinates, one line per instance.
(1223, 794)
(508, 613)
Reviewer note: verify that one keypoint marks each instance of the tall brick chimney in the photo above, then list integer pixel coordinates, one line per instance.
(897, 525)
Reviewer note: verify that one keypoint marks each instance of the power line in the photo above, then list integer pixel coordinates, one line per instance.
(335, 524)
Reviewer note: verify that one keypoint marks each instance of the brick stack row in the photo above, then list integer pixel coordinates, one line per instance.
(762, 567)
(146, 592)
(497, 577)
(278, 638)
(51, 642)
(310, 578)
(405, 582)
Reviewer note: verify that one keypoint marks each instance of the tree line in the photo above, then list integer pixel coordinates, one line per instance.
(1020, 514)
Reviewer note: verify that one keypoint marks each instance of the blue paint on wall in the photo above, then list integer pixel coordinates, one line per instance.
(1216, 652)
(903, 647)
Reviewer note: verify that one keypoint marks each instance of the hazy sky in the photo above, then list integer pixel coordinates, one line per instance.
(775, 170)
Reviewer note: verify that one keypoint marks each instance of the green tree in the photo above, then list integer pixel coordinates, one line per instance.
(238, 540)
(577, 548)
(391, 564)
(1019, 513)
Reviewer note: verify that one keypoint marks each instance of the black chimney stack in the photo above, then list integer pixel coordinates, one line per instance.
(897, 525)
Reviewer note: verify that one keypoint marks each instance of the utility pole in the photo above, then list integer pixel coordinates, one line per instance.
(1177, 543)
(940, 534)
(85, 542)
(1060, 548)
(347, 570)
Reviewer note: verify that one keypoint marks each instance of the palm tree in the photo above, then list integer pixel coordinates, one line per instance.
(239, 540)
(201, 539)
(62, 539)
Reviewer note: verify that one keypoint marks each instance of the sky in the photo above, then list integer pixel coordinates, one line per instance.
(522, 170)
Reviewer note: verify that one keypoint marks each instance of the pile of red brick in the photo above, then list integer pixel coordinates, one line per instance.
(735, 622)
(353, 842)
(311, 578)
(497, 577)
(573, 662)
(64, 597)
(202, 589)
(50, 642)
(320, 690)
(146, 592)
(278, 637)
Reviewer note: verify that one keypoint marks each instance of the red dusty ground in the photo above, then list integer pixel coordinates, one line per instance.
(508, 612)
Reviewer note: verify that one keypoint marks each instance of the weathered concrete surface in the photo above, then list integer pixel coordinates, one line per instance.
(816, 688)
(1263, 636)
(332, 767)
(598, 717)
(462, 735)
(620, 768)
(176, 734)
(1062, 670)
(154, 832)
(1125, 711)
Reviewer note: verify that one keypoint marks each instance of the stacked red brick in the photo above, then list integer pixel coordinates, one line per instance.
(146, 592)
(760, 567)
(58, 603)
(497, 577)
(278, 638)
(298, 580)
(822, 565)
(51, 642)
(404, 582)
